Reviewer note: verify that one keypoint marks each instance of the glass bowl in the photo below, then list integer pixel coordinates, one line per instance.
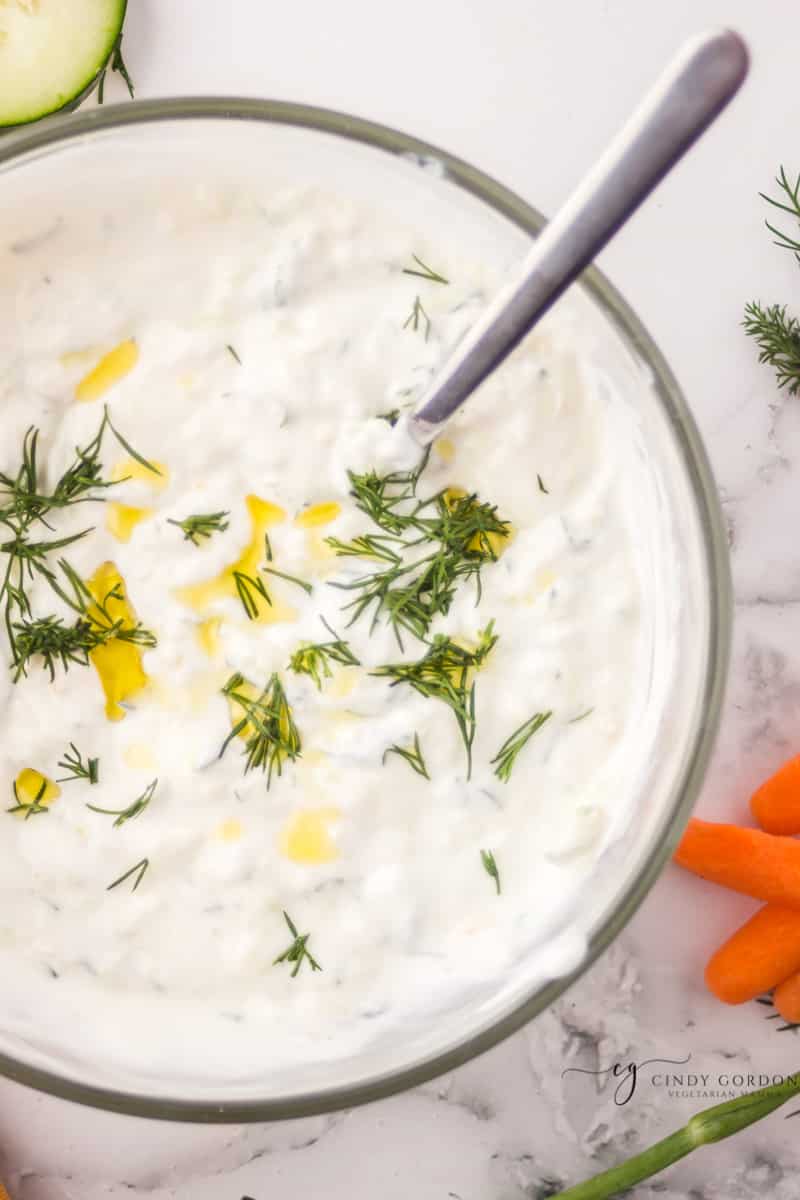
(118, 150)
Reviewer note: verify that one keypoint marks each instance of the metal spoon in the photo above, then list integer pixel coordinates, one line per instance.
(694, 89)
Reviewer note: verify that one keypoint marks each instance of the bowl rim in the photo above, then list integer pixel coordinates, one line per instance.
(49, 133)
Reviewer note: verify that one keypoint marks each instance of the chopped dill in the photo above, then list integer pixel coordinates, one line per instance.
(307, 587)
(29, 807)
(21, 500)
(368, 545)
(445, 673)
(315, 659)
(251, 591)
(490, 867)
(132, 811)
(384, 497)
(270, 733)
(201, 526)
(233, 354)
(77, 768)
(413, 756)
(542, 487)
(55, 642)
(462, 535)
(391, 417)
(424, 271)
(49, 639)
(25, 504)
(298, 951)
(138, 869)
(506, 757)
(418, 318)
(143, 462)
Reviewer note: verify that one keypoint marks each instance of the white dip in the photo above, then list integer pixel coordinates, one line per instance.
(251, 349)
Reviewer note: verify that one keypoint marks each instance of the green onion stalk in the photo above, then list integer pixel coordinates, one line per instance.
(712, 1125)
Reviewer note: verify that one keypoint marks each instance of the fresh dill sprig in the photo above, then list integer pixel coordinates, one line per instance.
(201, 525)
(83, 478)
(778, 339)
(418, 317)
(138, 869)
(463, 534)
(412, 755)
(298, 952)
(776, 334)
(25, 560)
(116, 63)
(133, 810)
(23, 504)
(507, 754)
(21, 500)
(49, 639)
(20, 492)
(445, 673)
(233, 354)
(30, 807)
(98, 612)
(251, 590)
(490, 867)
(315, 659)
(74, 764)
(21, 497)
(469, 529)
(383, 497)
(307, 587)
(542, 487)
(789, 204)
(271, 735)
(30, 555)
(54, 642)
(424, 271)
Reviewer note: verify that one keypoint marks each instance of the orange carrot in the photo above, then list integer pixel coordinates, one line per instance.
(787, 999)
(776, 804)
(746, 860)
(759, 956)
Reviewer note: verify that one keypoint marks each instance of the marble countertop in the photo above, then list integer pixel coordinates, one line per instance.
(530, 92)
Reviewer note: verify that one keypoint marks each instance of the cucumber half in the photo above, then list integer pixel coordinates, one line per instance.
(52, 53)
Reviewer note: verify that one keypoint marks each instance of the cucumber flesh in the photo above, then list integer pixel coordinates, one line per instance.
(52, 53)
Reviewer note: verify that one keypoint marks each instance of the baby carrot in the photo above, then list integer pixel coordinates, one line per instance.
(786, 998)
(746, 860)
(776, 804)
(758, 957)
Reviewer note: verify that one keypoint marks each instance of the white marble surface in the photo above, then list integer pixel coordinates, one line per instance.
(530, 91)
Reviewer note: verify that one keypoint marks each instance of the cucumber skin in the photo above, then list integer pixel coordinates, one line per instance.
(85, 92)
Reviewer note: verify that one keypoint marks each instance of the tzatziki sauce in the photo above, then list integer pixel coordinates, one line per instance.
(339, 730)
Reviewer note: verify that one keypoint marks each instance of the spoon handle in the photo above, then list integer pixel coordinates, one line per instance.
(694, 89)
